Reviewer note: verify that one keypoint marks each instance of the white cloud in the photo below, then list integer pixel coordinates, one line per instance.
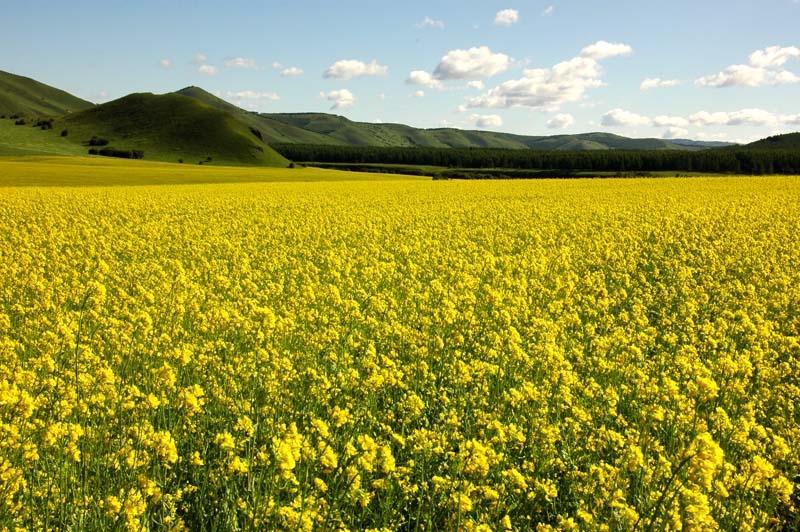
(604, 50)
(791, 119)
(474, 63)
(341, 99)
(253, 95)
(743, 117)
(200, 58)
(670, 121)
(242, 62)
(276, 65)
(428, 22)
(486, 121)
(773, 56)
(418, 94)
(545, 88)
(477, 84)
(351, 68)
(654, 83)
(420, 77)
(675, 133)
(622, 118)
(506, 17)
(762, 69)
(208, 70)
(166, 63)
(560, 121)
(549, 10)
(291, 71)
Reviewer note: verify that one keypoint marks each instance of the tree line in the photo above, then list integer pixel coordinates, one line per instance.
(719, 160)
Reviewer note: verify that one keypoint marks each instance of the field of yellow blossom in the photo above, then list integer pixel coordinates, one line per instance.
(402, 355)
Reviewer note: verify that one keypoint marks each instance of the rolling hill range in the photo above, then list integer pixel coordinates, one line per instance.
(194, 125)
(25, 96)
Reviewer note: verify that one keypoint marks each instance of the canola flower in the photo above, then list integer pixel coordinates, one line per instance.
(584, 355)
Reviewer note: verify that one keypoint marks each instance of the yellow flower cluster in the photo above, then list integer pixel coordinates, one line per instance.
(581, 355)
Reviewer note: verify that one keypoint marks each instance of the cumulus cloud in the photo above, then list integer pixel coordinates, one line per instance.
(276, 65)
(549, 88)
(670, 121)
(654, 83)
(560, 121)
(208, 70)
(242, 62)
(773, 56)
(418, 94)
(763, 68)
(486, 121)
(622, 118)
(165, 63)
(420, 77)
(341, 99)
(428, 22)
(506, 17)
(352, 68)
(743, 117)
(475, 63)
(675, 133)
(477, 84)
(291, 71)
(253, 95)
(604, 50)
(544, 88)
(200, 58)
(549, 10)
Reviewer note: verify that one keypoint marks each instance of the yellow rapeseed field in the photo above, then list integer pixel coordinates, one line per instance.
(551, 355)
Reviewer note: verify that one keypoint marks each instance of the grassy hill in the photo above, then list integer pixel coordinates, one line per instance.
(171, 127)
(28, 97)
(272, 131)
(789, 141)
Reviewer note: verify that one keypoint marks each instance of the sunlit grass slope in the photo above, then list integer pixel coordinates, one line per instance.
(102, 171)
(28, 140)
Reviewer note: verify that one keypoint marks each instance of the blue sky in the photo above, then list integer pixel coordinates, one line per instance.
(725, 70)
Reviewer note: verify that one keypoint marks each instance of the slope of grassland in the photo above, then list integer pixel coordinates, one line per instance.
(26, 96)
(171, 127)
(28, 140)
(103, 171)
(272, 131)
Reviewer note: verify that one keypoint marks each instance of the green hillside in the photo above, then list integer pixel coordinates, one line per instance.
(170, 127)
(29, 140)
(339, 130)
(27, 97)
(272, 131)
(789, 141)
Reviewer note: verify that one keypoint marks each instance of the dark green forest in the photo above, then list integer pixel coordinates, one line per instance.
(719, 160)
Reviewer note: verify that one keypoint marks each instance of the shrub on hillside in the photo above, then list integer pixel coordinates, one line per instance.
(64, 133)
(20, 122)
(97, 141)
(122, 154)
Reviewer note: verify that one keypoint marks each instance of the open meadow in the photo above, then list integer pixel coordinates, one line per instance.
(352, 354)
